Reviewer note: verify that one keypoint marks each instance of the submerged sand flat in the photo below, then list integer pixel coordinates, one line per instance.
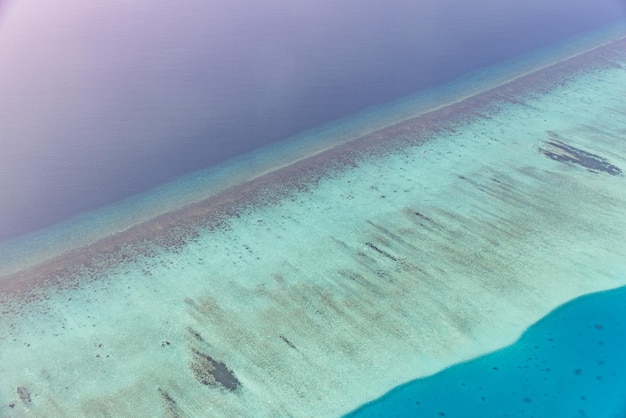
(319, 286)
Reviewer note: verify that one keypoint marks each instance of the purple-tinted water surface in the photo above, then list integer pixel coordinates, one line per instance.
(101, 102)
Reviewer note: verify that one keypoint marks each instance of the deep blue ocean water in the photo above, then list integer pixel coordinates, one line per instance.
(104, 102)
(572, 363)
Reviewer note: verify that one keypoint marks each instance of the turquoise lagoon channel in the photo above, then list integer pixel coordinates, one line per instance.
(572, 363)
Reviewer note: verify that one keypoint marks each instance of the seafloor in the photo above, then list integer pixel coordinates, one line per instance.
(316, 287)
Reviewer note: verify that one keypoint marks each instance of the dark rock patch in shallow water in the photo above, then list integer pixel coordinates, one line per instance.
(195, 334)
(24, 394)
(211, 372)
(381, 252)
(289, 343)
(560, 151)
(170, 406)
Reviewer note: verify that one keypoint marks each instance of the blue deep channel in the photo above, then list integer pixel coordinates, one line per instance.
(572, 363)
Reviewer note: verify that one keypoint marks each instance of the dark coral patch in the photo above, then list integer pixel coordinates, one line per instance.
(170, 406)
(195, 334)
(24, 394)
(559, 151)
(380, 251)
(289, 343)
(211, 372)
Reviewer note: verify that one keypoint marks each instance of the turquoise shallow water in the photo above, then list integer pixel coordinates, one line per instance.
(569, 364)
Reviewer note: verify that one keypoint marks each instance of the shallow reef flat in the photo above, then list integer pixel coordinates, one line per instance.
(318, 286)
